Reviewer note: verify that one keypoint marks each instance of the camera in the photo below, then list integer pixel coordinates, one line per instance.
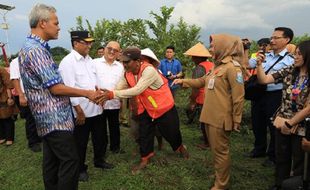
(169, 74)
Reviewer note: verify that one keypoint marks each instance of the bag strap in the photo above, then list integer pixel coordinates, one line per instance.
(279, 59)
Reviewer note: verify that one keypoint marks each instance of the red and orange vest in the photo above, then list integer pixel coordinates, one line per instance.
(201, 94)
(155, 102)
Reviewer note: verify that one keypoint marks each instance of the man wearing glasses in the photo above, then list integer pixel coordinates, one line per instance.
(77, 71)
(264, 108)
(108, 73)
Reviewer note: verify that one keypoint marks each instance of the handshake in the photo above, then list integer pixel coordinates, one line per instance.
(99, 96)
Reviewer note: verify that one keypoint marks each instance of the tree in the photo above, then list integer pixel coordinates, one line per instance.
(59, 53)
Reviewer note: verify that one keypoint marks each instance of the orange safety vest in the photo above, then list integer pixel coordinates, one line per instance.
(201, 93)
(155, 102)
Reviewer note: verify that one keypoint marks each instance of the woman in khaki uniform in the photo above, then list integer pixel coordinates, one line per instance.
(224, 95)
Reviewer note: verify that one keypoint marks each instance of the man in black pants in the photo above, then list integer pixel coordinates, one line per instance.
(264, 108)
(31, 132)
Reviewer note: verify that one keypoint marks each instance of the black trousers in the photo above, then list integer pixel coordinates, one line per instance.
(168, 125)
(112, 117)
(30, 125)
(60, 161)
(7, 129)
(288, 147)
(92, 125)
(261, 111)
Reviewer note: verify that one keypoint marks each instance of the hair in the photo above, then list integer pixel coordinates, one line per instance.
(100, 47)
(287, 32)
(40, 12)
(170, 47)
(304, 48)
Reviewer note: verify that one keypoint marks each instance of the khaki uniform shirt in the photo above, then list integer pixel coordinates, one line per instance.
(224, 95)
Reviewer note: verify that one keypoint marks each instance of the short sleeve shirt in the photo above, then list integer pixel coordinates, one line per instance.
(39, 72)
(286, 77)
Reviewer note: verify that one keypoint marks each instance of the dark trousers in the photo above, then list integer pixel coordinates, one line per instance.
(30, 125)
(168, 125)
(262, 110)
(288, 147)
(60, 161)
(7, 129)
(92, 125)
(112, 117)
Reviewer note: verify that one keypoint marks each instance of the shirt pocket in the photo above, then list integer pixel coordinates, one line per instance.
(81, 80)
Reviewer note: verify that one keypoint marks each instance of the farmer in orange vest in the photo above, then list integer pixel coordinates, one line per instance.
(155, 105)
(199, 54)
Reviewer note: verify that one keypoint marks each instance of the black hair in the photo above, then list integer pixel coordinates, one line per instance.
(170, 47)
(287, 33)
(304, 48)
(100, 47)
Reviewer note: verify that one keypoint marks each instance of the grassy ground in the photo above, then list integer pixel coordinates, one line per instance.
(20, 169)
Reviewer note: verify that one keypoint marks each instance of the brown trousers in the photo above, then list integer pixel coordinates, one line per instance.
(219, 144)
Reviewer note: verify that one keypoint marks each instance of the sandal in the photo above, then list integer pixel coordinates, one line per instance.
(9, 143)
(2, 141)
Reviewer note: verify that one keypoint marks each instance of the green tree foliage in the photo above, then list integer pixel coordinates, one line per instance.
(297, 39)
(58, 53)
(156, 34)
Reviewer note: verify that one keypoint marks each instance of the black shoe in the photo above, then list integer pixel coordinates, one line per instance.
(35, 148)
(269, 163)
(253, 154)
(118, 151)
(83, 176)
(104, 165)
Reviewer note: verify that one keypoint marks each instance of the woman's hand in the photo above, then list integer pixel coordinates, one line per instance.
(177, 81)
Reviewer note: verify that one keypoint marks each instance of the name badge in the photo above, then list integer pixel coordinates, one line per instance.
(211, 84)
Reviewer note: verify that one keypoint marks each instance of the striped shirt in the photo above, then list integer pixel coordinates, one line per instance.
(39, 72)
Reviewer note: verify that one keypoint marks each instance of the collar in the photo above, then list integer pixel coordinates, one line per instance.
(79, 56)
(102, 59)
(39, 40)
(282, 53)
(227, 59)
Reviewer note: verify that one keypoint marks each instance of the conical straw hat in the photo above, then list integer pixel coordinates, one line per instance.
(198, 50)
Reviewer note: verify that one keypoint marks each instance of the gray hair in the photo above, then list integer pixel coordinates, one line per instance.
(40, 12)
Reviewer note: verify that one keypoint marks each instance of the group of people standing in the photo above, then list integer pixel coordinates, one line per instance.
(82, 96)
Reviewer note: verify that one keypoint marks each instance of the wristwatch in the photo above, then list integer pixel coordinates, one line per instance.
(288, 125)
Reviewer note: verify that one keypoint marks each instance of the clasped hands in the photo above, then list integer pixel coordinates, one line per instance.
(99, 96)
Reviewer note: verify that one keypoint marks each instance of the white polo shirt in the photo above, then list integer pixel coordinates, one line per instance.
(108, 75)
(14, 72)
(78, 72)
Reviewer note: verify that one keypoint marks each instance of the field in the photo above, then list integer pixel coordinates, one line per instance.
(20, 169)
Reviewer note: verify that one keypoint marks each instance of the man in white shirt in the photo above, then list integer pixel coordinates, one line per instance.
(77, 71)
(108, 73)
(31, 131)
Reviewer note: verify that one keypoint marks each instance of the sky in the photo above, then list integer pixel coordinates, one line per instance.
(251, 19)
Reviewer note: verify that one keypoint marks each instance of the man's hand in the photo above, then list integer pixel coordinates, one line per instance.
(80, 116)
(10, 102)
(260, 58)
(22, 100)
(305, 144)
(106, 95)
(94, 96)
(285, 130)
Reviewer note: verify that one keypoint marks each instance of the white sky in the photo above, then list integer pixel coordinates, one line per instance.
(246, 18)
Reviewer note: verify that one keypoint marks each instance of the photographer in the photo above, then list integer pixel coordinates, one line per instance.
(294, 96)
(266, 105)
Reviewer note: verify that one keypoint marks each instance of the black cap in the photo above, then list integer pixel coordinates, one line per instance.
(81, 35)
(263, 41)
(131, 53)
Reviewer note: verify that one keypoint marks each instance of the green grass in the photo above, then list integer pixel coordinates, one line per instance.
(20, 169)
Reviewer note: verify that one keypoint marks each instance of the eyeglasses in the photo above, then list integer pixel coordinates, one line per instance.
(110, 49)
(276, 37)
(85, 43)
